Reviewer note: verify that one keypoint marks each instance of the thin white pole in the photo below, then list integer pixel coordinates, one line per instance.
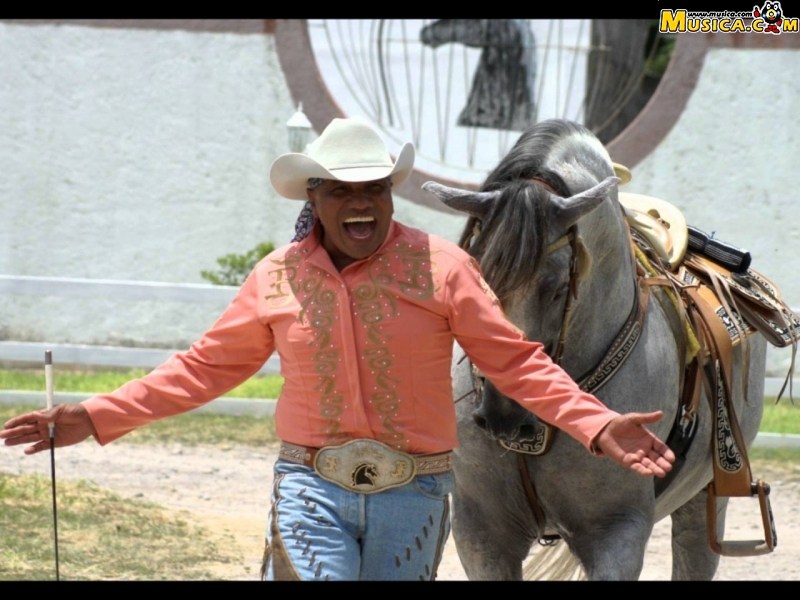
(48, 376)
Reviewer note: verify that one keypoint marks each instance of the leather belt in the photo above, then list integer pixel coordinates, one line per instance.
(366, 465)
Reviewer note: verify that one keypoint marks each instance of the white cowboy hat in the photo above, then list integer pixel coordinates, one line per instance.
(348, 150)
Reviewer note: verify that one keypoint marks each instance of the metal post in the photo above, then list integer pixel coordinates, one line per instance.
(48, 375)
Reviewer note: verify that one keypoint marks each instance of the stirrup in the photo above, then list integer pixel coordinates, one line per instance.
(743, 547)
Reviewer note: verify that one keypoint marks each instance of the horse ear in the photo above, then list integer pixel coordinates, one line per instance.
(569, 210)
(476, 204)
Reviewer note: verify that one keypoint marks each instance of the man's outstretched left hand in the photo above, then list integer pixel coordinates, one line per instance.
(628, 442)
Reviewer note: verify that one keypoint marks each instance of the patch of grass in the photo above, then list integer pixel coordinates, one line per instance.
(102, 536)
(783, 417)
(100, 381)
(775, 457)
(206, 429)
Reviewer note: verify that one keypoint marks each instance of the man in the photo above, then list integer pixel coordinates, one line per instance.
(363, 312)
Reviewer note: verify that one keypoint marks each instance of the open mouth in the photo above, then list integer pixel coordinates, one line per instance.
(360, 228)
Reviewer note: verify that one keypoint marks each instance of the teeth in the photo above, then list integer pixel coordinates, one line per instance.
(359, 219)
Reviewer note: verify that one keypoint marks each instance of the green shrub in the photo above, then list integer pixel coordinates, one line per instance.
(234, 268)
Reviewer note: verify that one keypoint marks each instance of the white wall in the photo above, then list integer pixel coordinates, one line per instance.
(144, 155)
(730, 163)
(137, 155)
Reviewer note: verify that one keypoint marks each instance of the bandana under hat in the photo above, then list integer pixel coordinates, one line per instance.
(305, 222)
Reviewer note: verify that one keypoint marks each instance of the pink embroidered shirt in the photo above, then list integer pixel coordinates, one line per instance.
(365, 352)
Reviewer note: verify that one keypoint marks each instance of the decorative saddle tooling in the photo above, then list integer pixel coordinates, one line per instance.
(721, 302)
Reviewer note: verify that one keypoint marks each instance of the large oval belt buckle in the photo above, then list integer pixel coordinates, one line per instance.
(365, 466)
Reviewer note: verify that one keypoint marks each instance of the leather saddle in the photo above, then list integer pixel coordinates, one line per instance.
(722, 302)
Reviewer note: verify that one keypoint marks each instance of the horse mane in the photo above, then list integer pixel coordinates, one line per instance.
(519, 213)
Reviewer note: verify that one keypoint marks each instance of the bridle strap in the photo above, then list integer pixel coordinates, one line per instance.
(625, 341)
(629, 333)
(621, 348)
(572, 293)
(532, 497)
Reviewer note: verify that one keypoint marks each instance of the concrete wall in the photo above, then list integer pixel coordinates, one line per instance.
(136, 154)
(143, 154)
(729, 163)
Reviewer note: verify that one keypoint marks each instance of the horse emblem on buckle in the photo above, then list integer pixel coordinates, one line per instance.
(365, 474)
(365, 466)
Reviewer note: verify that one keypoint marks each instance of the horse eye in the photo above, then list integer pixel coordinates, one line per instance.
(553, 288)
(558, 295)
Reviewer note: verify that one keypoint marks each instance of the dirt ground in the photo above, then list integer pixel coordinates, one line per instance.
(228, 491)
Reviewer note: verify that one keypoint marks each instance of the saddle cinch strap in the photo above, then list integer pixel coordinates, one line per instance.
(731, 467)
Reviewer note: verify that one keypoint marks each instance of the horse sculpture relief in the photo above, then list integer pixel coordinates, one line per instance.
(557, 246)
(502, 93)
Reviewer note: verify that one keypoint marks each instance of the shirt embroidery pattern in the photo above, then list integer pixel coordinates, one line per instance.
(281, 277)
(402, 271)
(318, 310)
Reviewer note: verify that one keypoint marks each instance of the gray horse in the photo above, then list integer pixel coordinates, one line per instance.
(554, 244)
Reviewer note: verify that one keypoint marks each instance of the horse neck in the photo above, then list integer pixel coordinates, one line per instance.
(606, 297)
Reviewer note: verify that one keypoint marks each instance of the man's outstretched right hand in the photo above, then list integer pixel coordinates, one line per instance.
(72, 425)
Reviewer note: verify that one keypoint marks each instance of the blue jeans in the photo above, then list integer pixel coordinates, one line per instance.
(319, 531)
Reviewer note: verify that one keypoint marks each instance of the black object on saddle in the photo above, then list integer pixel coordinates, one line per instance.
(732, 258)
(680, 441)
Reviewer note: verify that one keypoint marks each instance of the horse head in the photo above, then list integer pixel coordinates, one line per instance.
(523, 241)
(524, 288)
(476, 33)
(503, 86)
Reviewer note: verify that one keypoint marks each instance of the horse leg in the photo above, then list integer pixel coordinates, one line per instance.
(692, 556)
(604, 513)
(487, 552)
(613, 551)
(491, 523)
